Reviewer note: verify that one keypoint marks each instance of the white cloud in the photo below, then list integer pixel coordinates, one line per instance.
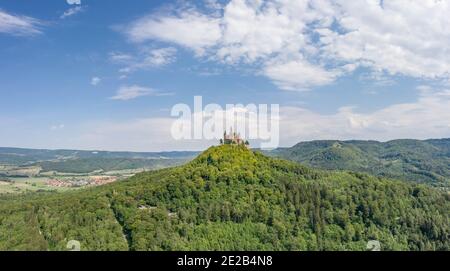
(142, 134)
(213, 4)
(121, 58)
(296, 124)
(19, 25)
(160, 57)
(57, 127)
(331, 37)
(71, 12)
(95, 81)
(400, 37)
(148, 58)
(74, 2)
(255, 30)
(189, 28)
(431, 112)
(298, 75)
(125, 93)
(131, 92)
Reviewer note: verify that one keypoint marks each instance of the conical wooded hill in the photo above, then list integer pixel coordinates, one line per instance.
(231, 198)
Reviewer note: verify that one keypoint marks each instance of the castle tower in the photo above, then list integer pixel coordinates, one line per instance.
(233, 138)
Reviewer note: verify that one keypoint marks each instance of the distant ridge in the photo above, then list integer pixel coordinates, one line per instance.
(425, 161)
(23, 155)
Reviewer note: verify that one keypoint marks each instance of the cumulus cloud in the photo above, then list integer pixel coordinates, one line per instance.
(331, 37)
(255, 30)
(125, 93)
(190, 29)
(400, 37)
(298, 75)
(19, 25)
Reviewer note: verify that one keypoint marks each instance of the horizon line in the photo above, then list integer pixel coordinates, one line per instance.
(193, 151)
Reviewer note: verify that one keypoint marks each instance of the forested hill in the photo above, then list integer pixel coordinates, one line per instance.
(230, 198)
(426, 161)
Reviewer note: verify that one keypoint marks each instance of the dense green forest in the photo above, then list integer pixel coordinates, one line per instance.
(426, 161)
(230, 198)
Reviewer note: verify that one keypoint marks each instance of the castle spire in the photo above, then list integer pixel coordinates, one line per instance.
(233, 138)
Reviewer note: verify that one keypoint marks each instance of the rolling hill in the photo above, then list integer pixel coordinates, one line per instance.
(425, 161)
(19, 156)
(31, 162)
(230, 198)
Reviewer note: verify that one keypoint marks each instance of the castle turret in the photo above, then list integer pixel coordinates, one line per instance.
(233, 139)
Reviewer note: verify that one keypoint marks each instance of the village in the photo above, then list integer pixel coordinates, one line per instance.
(81, 181)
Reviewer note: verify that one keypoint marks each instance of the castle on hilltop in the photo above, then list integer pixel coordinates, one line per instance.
(233, 138)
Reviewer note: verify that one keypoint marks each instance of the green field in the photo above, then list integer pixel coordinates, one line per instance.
(27, 178)
(31, 172)
(28, 184)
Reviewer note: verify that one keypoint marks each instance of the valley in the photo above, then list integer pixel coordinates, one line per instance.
(27, 170)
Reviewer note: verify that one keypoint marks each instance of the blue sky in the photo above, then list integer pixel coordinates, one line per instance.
(105, 74)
